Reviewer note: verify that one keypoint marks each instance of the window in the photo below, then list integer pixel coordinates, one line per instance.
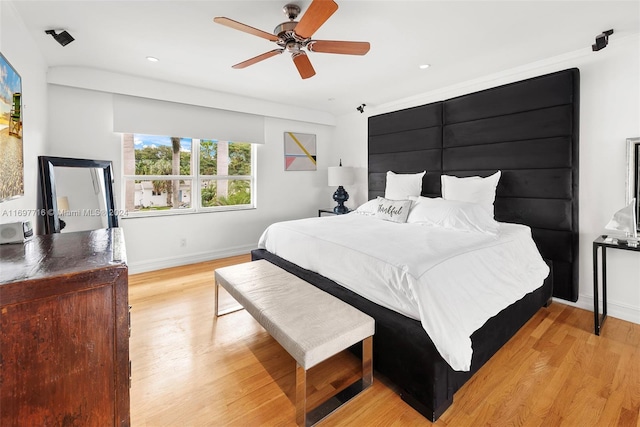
(164, 174)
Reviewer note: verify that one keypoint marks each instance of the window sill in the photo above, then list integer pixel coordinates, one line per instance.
(179, 212)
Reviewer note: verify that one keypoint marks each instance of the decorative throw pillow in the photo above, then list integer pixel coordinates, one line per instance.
(452, 215)
(368, 208)
(401, 186)
(393, 210)
(474, 189)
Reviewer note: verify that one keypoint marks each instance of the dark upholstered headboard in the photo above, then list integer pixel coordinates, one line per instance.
(527, 129)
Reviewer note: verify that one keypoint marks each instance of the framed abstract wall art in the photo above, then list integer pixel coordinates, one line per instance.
(11, 157)
(299, 151)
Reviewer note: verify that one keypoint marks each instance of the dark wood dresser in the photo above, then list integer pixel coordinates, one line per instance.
(64, 339)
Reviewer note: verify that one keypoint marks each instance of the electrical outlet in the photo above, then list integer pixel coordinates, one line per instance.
(183, 243)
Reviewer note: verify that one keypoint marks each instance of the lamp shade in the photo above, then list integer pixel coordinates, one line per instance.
(340, 175)
(625, 220)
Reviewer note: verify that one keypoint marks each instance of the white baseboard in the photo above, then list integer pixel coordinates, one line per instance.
(192, 258)
(614, 309)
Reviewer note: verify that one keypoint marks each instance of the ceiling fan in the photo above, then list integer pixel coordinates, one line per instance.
(294, 36)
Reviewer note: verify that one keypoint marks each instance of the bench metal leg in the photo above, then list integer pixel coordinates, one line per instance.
(216, 310)
(367, 362)
(216, 299)
(301, 395)
(333, 403)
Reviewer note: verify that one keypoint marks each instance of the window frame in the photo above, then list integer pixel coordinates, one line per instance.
(196, 180)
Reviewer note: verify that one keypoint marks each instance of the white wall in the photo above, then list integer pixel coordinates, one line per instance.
(350, 145)
(609, 113)
(20, 50)
(81, 126)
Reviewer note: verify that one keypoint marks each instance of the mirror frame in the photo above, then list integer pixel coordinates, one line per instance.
(633, 175)
(50, 222)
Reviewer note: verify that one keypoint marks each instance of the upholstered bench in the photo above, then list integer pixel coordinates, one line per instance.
(309, 323)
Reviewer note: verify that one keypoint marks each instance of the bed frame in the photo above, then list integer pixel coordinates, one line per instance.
(529, 131)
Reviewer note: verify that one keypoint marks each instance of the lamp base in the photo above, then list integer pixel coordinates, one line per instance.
(341, 196)
(341, 210)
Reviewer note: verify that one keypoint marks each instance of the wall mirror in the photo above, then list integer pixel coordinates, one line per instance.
(633, 174)
(75, 195)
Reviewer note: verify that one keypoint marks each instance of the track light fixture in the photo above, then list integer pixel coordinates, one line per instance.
(601, 40)
(64, 38)
(361, 108)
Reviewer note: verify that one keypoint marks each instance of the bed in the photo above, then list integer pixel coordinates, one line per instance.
(528, 130)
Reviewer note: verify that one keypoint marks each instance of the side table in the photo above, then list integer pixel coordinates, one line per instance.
(328, 211)
(601, 243)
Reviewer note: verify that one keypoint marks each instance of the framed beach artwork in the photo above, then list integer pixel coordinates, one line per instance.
(299, 151)
(11, 158)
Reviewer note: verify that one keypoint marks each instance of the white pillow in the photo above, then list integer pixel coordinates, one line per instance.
(453, 215)
(473, 189)
(401, 186)
(393, 210)
(368, 208)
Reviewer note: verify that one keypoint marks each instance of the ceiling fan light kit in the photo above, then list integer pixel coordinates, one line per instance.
(295, 37)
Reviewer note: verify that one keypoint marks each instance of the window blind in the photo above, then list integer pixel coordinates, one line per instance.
(153, 117)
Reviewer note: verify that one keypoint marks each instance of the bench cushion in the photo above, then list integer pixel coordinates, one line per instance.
(309, 323)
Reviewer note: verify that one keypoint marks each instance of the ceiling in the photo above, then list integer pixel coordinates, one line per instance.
(462, 40)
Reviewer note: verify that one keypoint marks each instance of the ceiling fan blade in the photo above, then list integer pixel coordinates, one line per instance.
(243, 27)
(301, 60)
(317, 14)
(342, 47)
(258, 58)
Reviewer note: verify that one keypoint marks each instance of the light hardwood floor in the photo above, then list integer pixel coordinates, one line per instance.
(192, 370)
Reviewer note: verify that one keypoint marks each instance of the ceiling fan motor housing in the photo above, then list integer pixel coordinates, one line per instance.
(285, 28)
(287, 38)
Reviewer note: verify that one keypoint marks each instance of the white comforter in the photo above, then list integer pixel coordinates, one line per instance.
(451, 281)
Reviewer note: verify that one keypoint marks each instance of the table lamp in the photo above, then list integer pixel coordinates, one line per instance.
(625, 220)
(339, 176)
